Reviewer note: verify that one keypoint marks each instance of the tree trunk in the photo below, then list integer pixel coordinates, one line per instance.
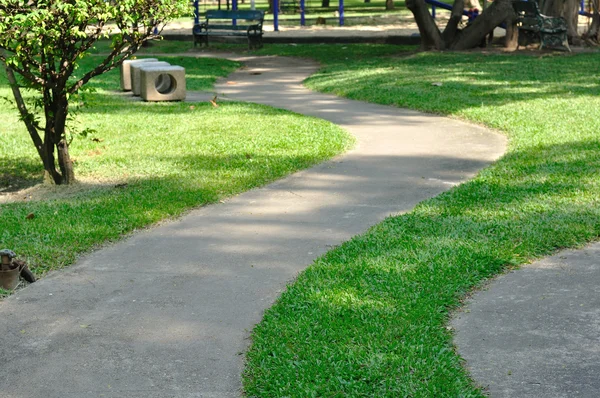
(50, 171)
(431, 38)
(593, 32)
(499, 11)
(45, 148)
(571, 14)
(65, 163)
(325, 3)
(511, 40)
(453, 38)
(452, 26)
(56, 108)
(389, 5)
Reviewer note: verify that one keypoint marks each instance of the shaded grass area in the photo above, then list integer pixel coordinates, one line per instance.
(150, 161)
(369, 318)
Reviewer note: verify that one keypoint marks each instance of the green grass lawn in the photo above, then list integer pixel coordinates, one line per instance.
(172, 156)
(369, 318)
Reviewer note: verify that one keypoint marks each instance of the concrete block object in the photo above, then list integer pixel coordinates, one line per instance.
(162, 83)
(135, 74)
(126, 71)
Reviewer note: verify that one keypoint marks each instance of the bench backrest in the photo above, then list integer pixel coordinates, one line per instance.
(248, 15)
(528, 12)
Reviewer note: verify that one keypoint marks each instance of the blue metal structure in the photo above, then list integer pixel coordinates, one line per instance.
(196, 13)
(234, 7)
(276, 15)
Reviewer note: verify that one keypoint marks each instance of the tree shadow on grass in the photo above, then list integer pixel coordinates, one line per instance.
(468, 80)
(19, 173)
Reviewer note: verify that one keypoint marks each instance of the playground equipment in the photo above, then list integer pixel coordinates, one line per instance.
(446, 6)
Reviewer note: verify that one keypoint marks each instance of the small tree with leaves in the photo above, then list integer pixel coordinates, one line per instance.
(41, 45)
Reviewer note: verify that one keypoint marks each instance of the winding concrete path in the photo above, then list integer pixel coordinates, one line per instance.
(167, 312)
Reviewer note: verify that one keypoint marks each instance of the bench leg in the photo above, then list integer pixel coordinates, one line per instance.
(558, 41)
(254, 42)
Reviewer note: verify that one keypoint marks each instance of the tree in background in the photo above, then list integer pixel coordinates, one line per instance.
(41, 45)
(453, 37)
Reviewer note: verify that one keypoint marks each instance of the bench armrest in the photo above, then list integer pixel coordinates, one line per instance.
(200, 28)
(255, 30)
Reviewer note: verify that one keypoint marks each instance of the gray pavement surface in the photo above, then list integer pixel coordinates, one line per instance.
(535, 332)
(168, 311)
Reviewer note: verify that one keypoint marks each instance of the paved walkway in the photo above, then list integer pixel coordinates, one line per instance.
(536, 331)
(167, 312)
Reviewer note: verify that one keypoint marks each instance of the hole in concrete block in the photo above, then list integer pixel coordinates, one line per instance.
(165, 84)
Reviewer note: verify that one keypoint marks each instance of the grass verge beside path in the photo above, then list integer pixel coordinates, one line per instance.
(149, 161)
(369, 318)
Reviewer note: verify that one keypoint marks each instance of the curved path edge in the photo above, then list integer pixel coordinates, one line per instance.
(117, 325)
(535, 331)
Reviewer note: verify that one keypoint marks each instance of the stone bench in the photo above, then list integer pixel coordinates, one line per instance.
(126, 71)
(136, 85)
(162, 82)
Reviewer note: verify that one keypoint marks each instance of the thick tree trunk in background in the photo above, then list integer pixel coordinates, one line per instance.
(499, 11)
(325, 3)
(453, 38)
(452, 26)
(389, 5)
(571, 13)
(431, 37)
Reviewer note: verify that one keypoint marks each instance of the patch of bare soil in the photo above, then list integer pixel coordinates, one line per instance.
(47, 191)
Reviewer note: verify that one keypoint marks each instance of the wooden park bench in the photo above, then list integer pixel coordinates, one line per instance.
(252, 26)
(533, 25)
